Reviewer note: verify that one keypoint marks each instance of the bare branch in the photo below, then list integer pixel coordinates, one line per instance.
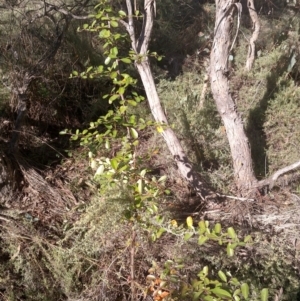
(272, 179)
(130, 26)
(143, 41)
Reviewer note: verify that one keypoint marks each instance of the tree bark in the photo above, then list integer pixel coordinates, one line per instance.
(256, 27)
(173, 143)
(140, 46)
(238, 141)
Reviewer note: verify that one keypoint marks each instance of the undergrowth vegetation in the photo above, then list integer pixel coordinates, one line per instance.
(125, 225)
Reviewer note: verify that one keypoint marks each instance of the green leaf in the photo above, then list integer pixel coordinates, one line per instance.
(231, 233)
(264, 294)
(89, 69)
(245, 290)
(132, 102)
(230, 251)
(140, 183)
(113, 74)
(100, 170)
(126, 60)
(75, 73)
(202, 227)
(218, 228)
(188, 235)
(114, 163)
(63, 132)
(113, 97)
(222, 276)
(160, 232)
(104, 34)
(114, 23)
(85, 26)
(162, 178)
(143, 173)
(107, 60)
(221, 292)
(202, 240)
(122, 13)
(121, 90)
(134, 133)
(189, 221)
(205, 270)
(114, 51)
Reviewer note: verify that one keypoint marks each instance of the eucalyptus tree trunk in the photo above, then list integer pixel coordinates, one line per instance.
(238, 141)
(140, 46)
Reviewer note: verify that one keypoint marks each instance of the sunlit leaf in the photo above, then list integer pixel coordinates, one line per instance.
(104, 33)
(231, 233)
(140, 183)
(159, 129)
(121, 90)
(122, 13)
(114, 163)
(245, 290)
(89, 69)
(221, 292)
(218, 228)
(189, 222)
(93, 164)
(264, 294)
(188, 235)
(126, 60)
(202, 240)
(134, 133)
(132, 102)
(100, 170)
(229, 250)
(114, 51)
(143, 173)
(107, 60)
(114, 23)
(222, 276)
(113, 97)
(202, 227)
(114, 74)
(107, 144)
(162, 178)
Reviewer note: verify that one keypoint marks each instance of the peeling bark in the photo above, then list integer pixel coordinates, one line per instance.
(238, 141)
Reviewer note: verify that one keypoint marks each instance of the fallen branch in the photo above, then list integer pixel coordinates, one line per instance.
(270, 181)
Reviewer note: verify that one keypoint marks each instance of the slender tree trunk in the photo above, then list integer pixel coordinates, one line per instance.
(238, 141)
(256, 29)
(140, 46)
(173, 143)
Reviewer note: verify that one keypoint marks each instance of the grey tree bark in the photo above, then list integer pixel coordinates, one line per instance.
(238, 141)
